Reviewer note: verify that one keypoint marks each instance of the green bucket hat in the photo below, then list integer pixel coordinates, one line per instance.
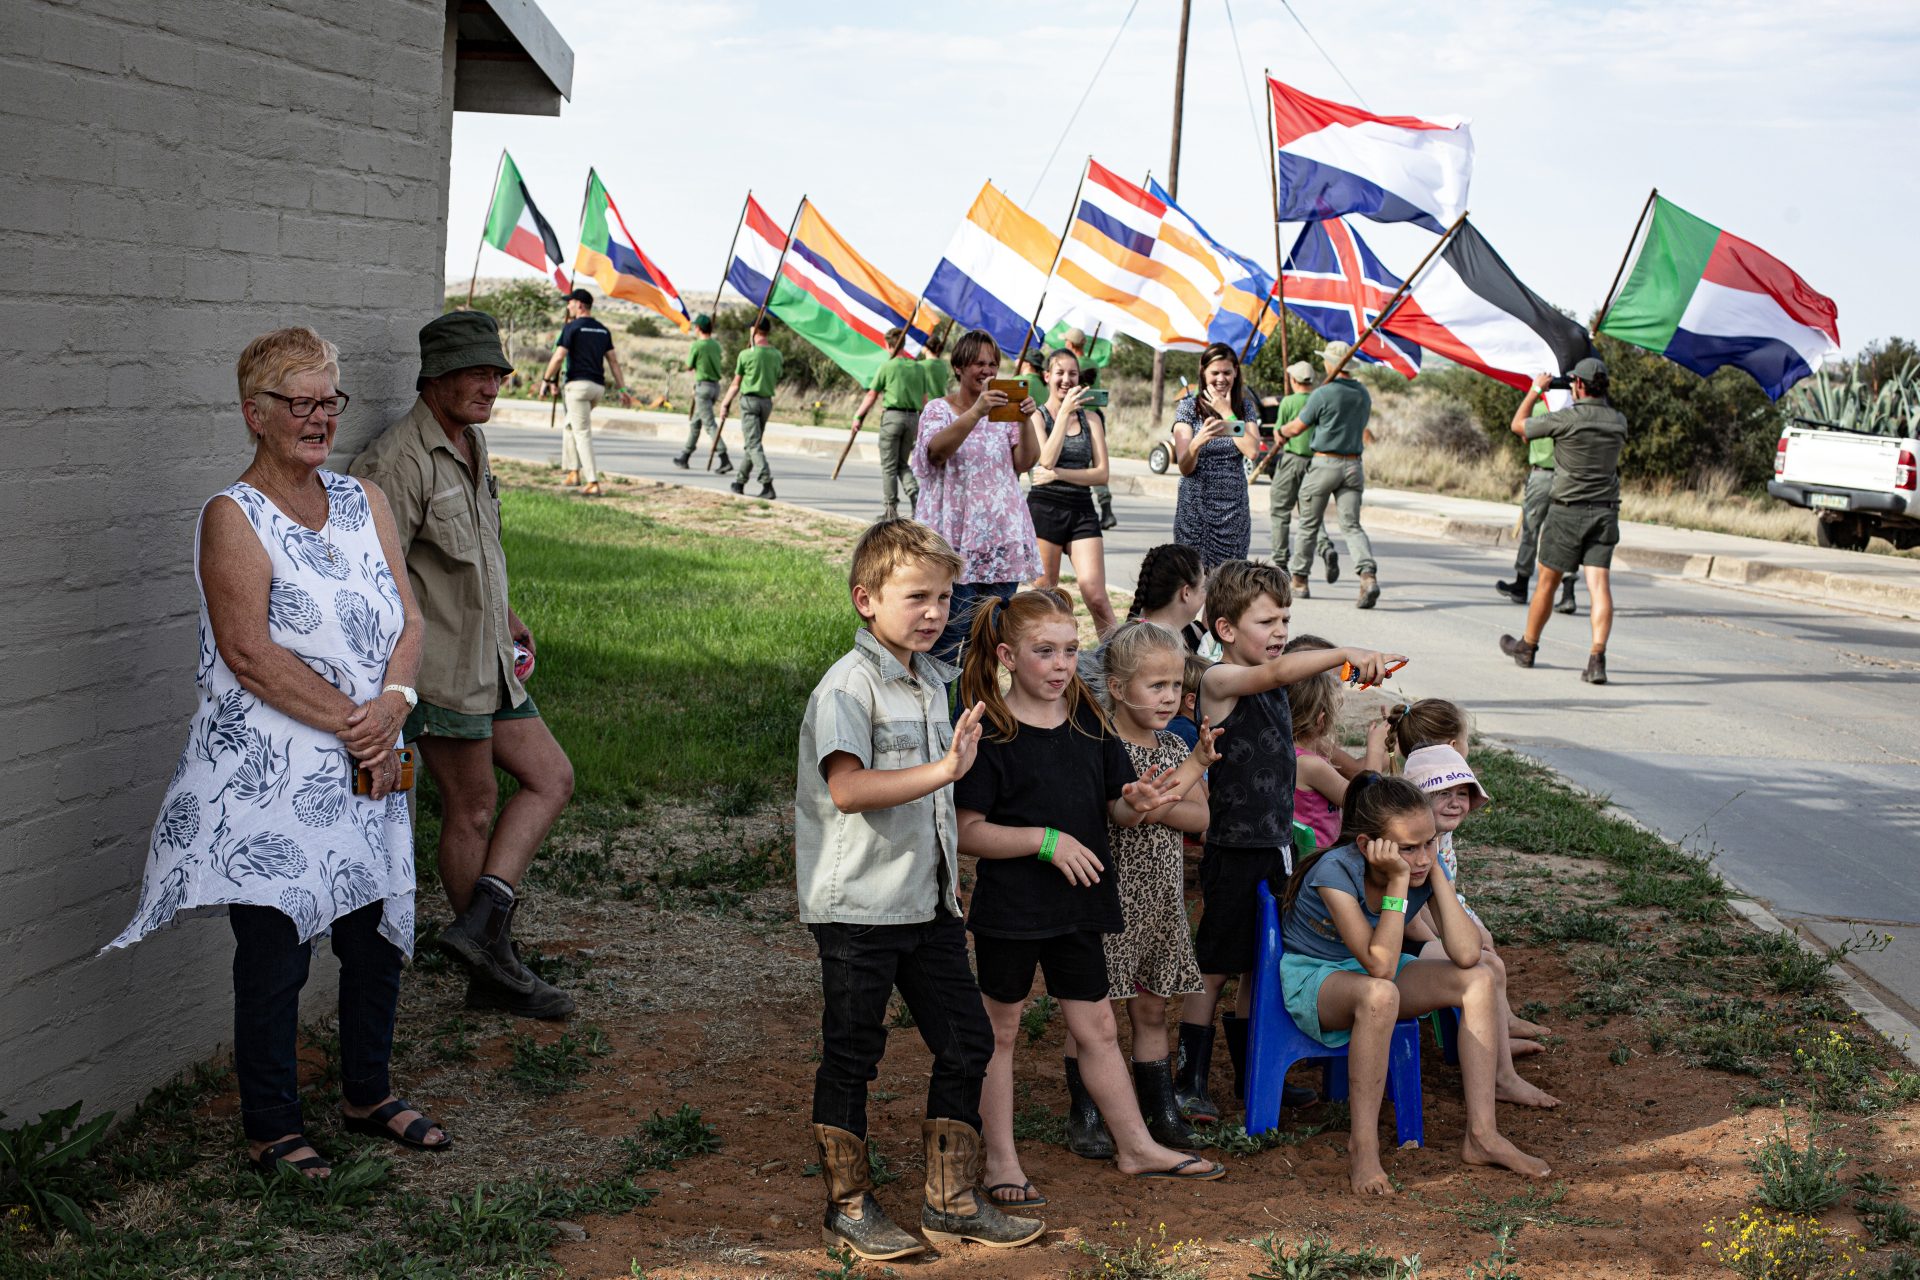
(461, 340)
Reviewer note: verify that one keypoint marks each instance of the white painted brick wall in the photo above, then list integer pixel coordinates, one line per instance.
(176, 177)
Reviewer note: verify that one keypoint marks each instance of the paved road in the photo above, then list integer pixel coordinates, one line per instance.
(1783, 737)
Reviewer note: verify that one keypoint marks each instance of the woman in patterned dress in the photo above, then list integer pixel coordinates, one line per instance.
(308, 646)
(1212, 516)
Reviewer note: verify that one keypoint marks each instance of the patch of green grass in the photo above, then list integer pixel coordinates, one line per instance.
(1231, 1138)
(1035, 1123)
(670, 661)
(510, 1224)
(1148, 1257)
(664, 1141)
(1318, 1258)
(546, 1069)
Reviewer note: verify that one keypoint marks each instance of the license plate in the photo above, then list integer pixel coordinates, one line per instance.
(1835, 501)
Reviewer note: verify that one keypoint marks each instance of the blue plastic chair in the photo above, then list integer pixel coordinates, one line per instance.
(1446, 1033)
(1275, 1043)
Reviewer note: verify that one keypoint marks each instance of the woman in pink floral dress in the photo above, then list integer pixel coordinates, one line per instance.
(969, 470)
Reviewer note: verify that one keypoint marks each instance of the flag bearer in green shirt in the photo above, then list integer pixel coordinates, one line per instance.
(900, 385)
(1296, 455)
(756, 373)
(704, 358)
(935, 367)
(1533, 508)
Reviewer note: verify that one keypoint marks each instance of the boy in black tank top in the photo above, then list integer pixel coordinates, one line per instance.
(1250, 837)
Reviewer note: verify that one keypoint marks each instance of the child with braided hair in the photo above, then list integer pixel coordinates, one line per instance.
(1170, 591)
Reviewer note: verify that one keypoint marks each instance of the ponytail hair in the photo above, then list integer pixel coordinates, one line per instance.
(1373, 801)
(1429, 722)
(997, 622)
(1163, 571)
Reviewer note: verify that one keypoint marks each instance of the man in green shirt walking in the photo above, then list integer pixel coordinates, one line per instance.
(1533, 506)
(900, 385)
(1296, 454)
(1337, 414)
(704, 358)
(756, 373)
(935, 367)
(1583, 513)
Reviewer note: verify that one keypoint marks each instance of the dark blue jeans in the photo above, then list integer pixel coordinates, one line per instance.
(967, 596)
(269, 968)
(860, 965)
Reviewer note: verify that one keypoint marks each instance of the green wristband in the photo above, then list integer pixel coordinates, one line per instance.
(1393, 904)
(1048, 843)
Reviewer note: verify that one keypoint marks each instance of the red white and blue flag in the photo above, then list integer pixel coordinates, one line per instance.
(1338, 287)
(1335, 160)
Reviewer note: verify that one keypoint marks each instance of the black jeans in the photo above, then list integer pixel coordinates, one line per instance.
(269, 968)
(860, 965)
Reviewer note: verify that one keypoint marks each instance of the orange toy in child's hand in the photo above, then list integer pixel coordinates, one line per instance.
(1350, 676)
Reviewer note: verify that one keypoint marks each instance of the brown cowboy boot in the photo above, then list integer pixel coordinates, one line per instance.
(955, 1209)
(854, 1218)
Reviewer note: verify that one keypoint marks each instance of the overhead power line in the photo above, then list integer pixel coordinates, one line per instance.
(1083, 101)
(1323, 53)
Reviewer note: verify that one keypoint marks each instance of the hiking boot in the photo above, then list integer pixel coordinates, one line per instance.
(1300, 591)
(1332, 558)
(1565, 604)
(1087, 1135)
(680, 460)
(1104, 503)
(482, 940)
(542, 1000)
(1519, 650)
(1515, 591)
(766, 490)
(892, 512)
(1596, 672)
(1369, 592)
(854, 1218)
(572, 477)
(1190, 1085)
(1153, 1090)
(738, 485)
(726, 465)
(955, 1209)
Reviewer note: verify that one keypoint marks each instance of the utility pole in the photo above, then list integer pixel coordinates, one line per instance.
(1173, 190)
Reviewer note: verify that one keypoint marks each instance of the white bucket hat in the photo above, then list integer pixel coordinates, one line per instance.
(1441, 768)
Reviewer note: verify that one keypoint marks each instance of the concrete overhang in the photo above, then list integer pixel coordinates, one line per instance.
(509, 60)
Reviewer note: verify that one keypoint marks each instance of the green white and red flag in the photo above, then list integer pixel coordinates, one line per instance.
(515, 227)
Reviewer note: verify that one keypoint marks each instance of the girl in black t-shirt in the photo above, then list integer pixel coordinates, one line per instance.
(1034, 810)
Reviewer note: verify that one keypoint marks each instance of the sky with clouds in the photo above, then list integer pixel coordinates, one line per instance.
(1788, 124)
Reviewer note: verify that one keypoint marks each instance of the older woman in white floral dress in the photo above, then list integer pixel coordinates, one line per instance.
(308, 647)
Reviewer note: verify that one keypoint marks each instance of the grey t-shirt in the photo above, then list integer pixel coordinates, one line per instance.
(1308, 929)
(1587, 436)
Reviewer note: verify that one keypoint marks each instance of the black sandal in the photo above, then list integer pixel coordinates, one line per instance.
(374, 1125)
(272, 1157)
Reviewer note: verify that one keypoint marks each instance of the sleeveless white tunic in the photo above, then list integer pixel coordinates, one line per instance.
(261, 809)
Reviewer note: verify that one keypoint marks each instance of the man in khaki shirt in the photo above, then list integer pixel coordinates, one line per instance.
(474, 714)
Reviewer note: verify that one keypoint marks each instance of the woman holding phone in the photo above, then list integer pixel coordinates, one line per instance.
(1214, 437)
(1073, 459)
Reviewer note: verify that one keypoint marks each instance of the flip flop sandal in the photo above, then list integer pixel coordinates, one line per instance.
(374, 1125)
(1213, 1171)
(270, 1159)
(1029, 1198)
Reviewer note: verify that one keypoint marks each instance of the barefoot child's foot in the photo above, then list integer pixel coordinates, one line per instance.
(1515, 1089)
(1369, 1179)
(1524, 1048)
(1521, 1029)
(1495, 1149)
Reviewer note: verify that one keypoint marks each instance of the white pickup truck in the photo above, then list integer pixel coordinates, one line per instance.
(1857, 483)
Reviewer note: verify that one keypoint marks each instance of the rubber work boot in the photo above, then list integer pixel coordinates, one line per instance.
(854, 1218)
(1153, 1090)
(1332, 558)
(955, 1208)
(892, 512)
(1087, 1134)
(1300, 591)
(1234, 1027)
(738, 485)
(1515, 591)
(1369, 592)
(482, 940)
(725, 466)
(680, 460)
(1104, 503)
(1519, 650)
(1196, 1061)
(1596, 672)
(766, 490)
(1566, 604)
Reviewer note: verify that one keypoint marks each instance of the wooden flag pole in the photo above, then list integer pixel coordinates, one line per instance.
(1606, 306)
(693, 400)
(1386, 313)
(847, 448)
(1059, 249)
(474, 279)
(759, 315)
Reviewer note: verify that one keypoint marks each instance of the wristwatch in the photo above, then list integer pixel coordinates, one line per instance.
(413, 699)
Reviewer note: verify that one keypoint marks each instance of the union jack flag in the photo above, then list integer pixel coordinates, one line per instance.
(1337, 286)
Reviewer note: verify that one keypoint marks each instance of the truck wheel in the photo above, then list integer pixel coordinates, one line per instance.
(1842, 532)
(1158, 459)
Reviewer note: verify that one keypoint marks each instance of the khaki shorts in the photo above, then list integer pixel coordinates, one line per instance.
(429, 720)
(1579, 534)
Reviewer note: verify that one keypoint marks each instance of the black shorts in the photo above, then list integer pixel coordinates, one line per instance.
(1064, 523)
(1227, 940)
(1074, 964)
(1577, 534)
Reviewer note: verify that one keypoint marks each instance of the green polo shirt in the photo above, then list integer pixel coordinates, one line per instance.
(759, 370)
(901, 384)
(1290, 406)
(1588, 436)
(1540, 452)
(703, 357)
(936, 372)
(1338, 413)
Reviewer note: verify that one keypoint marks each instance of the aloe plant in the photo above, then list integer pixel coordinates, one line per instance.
(1840, 396)
(38, 1166)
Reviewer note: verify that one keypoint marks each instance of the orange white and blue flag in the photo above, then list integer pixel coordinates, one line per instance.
(1246, 289)
(995, 269)
(610, 254)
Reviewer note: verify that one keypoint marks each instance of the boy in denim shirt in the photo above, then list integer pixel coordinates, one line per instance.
(874, 832)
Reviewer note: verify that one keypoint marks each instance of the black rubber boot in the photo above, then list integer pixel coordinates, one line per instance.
(681, 460)
(1332, 559)
(482, 940)
(1103, 503)
(1087, 1135)
(1515, 591)
(725, 465)
(1566, 604)
(1196, 1061)
(1235, 1028)
(1153, 1090)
